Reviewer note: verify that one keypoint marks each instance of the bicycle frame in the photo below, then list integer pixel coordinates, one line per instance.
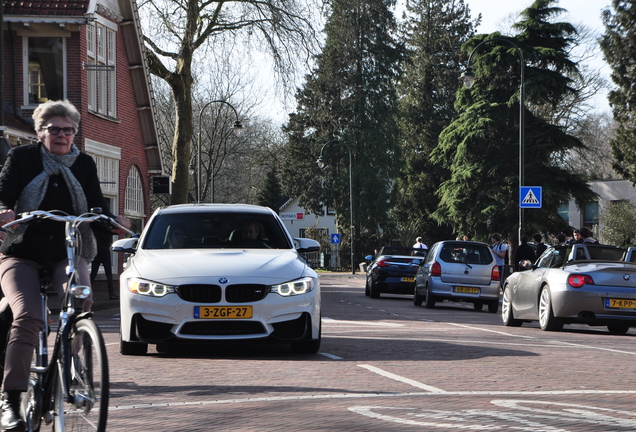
(58, 365)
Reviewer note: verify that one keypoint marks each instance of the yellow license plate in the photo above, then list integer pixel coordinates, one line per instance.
(408, 279)
(469, 290)
(222, 312)
(620, 304)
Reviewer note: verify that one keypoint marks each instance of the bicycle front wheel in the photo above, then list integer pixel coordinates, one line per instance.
(88, 384)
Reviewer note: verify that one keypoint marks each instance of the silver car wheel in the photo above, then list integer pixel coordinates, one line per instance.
(544, 308)
(507, 315)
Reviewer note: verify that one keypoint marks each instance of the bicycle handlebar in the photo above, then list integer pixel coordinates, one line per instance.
(75, 220)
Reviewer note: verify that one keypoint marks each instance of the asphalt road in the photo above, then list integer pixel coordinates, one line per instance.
(384, 365)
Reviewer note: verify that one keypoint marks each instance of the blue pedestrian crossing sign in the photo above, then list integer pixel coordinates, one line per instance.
(530, 197)
(335, 238)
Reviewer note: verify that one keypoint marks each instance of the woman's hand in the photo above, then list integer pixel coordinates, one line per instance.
(6, 216)
(123, 221)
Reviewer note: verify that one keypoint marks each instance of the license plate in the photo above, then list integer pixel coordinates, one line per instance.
(408, 279)
(620, 304)
(470, 290)
(222, 312)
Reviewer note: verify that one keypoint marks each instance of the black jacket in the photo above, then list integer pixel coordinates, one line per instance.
(523, 252)
(43, 242)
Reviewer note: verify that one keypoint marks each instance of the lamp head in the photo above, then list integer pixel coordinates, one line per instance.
(321, 162)
(238, 128)
(468, 77)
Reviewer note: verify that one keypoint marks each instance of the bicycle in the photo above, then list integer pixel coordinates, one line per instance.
(71, 389)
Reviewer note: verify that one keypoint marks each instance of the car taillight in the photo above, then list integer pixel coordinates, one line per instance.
(494, 274)
(577, 281)
(383, 263)
(436, 269)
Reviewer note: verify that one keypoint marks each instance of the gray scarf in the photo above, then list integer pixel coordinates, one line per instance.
(32, 195)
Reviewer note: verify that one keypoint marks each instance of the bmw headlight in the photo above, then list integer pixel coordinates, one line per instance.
(297, 287)
(148, 288)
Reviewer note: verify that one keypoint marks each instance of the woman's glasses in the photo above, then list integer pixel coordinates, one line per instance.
(179, 235)
(55, 130)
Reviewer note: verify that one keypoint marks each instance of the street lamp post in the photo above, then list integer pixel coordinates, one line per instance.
(468, 77)
(321, 165)
(238, 128)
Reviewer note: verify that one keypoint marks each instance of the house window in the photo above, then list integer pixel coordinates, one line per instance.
(101, 47)
(564, 211)
(590, 214)
(45, 69)
(134, 204)
(107, 159)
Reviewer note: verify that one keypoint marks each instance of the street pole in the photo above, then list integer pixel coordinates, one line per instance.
(238, 127)
(321, 165)
(468, 77)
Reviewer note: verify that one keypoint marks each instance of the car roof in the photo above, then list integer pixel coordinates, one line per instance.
(462, 242)
(221, 208)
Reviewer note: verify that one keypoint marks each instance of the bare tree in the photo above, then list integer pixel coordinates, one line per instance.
(176, 29)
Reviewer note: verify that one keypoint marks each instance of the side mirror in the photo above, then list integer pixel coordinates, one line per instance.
(127, 245)
(304, 245)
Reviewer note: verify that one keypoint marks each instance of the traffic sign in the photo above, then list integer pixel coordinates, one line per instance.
(335, 238)
(530, 197)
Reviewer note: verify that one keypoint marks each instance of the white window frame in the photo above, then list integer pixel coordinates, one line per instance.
(102, 51)
(107, 159)
(134, 199)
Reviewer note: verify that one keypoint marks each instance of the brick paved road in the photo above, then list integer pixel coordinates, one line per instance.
(385, 365)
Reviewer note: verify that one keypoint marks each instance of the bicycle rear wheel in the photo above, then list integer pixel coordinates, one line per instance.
(88, 382)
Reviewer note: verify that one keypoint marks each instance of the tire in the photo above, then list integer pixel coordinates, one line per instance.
(88, 382)
(618, 328)
(478, 305)
(32, 403)
(429, 299)
(374, 290)
(493, 306)
(507, 315)
(132, 348)
(547, 320)
(308, 346)
(367, 291)
(417, 298)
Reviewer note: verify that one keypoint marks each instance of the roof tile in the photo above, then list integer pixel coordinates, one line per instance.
(46, 7)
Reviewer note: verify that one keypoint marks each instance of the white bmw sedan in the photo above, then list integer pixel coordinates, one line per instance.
(206, 273)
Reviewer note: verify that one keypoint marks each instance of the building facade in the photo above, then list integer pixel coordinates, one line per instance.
(91, 53)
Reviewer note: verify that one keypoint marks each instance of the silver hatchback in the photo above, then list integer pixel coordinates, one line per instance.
(458, 271)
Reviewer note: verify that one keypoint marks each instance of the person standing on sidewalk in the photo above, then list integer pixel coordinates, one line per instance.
(104, 241)
(499, 249)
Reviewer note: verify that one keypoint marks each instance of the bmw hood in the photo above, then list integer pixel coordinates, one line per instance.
(176, 267)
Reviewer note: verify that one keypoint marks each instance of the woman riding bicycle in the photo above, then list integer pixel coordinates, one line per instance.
(50, 175)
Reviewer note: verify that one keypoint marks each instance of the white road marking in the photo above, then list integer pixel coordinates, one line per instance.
(375, 395)
(328, 320)
(331, 356)
(401, 379)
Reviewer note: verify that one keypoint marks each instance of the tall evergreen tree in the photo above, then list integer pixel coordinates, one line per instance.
(349, 97)
(272, 190)
(481, 147)
(619, 48)
(434, 32)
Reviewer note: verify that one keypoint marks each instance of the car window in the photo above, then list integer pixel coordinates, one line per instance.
(466, 253)
(431, 253)
(215, 230)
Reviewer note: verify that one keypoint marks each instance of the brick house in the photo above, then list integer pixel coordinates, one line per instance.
(89, 52)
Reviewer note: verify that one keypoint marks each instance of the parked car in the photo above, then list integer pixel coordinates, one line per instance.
(589, 284)
(458, 271)
(206, 273)
(392, 270)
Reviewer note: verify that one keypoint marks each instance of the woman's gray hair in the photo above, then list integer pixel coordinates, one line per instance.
(46, 111)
